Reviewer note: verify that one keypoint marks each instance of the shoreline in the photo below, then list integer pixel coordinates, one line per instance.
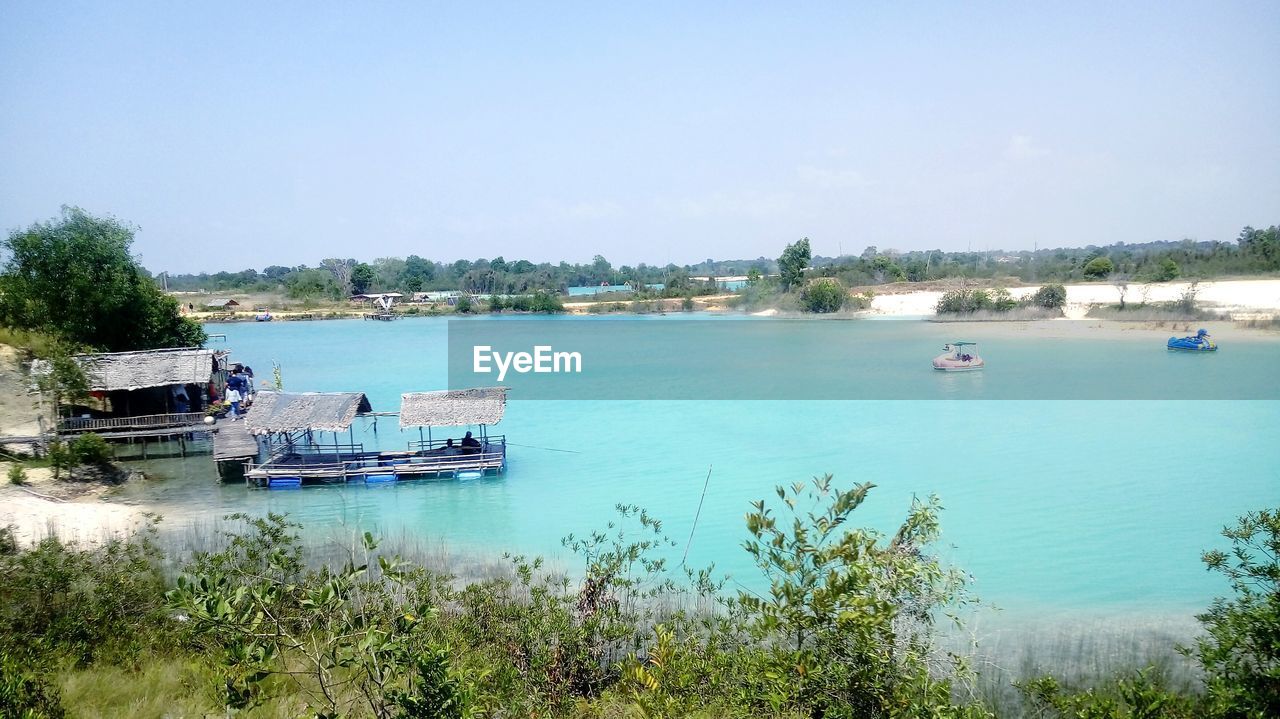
(1241, 299)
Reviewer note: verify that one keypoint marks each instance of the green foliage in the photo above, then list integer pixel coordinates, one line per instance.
(308, 284)
(546, 302)
(26, 688)
(91, 449)
(964, 301)
(1001, 300)
(795, 258)
(686, 304)
(496, 304)
(83, 603)
(1050, 296)
(823, 294)
(1099, 267)
(17, 474)
(75, 278)
(1143, 695)
(63, 382)
(434, 692)
(1240, 651)
(362, 276)
(846, 625)
(61, 458)
(1167, 270)
(463, 306)
(34, 343)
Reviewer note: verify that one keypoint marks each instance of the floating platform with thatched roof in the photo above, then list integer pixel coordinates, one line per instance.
(293, 426)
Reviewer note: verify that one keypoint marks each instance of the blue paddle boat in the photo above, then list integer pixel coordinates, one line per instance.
(1199, 343)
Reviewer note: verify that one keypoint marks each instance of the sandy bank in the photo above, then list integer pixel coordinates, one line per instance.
(72, 510)
(1241, 298)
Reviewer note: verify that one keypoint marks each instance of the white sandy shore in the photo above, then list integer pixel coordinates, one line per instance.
(89, 518)
(1240, 298)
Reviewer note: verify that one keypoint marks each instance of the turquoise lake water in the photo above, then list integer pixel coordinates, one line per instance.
(1052, 505)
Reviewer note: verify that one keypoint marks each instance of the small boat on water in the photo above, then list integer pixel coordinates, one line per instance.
(1199, 343)
(264, 317)
(959, 357)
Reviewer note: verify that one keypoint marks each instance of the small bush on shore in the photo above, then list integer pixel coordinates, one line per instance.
(1050, 297)
(823, 295)
(91, 449)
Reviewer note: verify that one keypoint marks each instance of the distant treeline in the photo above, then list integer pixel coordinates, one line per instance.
(1254, 252)
(335, 278)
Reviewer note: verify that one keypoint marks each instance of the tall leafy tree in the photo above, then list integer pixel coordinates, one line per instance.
(362, 276)
(794, 259)
(74, 277)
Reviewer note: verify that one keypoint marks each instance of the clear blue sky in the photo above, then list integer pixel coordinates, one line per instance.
(242, 135)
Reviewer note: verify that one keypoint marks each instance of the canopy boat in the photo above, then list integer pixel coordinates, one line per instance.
(959, 357)
(1199, 343)
(264, 317)
(288, 424)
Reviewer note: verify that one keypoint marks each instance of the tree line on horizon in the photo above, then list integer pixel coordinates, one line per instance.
(1254, 252)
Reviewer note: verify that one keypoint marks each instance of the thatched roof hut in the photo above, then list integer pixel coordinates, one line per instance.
(221, 303)
(453, 408)
(295, 411)
(149, 368)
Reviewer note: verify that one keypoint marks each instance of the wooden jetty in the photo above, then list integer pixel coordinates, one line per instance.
(233, 447)
(381, 316)
(289, 423)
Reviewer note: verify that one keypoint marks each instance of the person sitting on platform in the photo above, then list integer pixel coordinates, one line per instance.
(470, 445)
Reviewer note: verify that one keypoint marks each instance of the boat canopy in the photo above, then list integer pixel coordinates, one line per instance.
(453, 408)
(963, 344)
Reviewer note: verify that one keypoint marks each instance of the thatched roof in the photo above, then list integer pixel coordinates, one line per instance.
(453, 408)
(149, 368)
(222, 302)
(293, 411)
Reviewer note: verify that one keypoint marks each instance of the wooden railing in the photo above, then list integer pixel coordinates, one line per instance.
(494, 443)
(494, 457)
(146, 421)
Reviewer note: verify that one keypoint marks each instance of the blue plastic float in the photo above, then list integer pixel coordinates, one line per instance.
(1199, 343)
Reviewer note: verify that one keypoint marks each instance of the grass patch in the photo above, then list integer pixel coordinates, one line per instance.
(34, 343)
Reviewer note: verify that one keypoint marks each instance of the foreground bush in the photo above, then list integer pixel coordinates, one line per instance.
(845, 628)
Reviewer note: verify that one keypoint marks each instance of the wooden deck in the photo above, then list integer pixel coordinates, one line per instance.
(231, 440)
(306, 467)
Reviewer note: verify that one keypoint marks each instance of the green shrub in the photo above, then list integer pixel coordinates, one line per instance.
(964, 301)
(822, 295)
(1167, 270)
(463, 306)
(26, 689)
(1050, 297)
(840, 595)
(496, 304)
(60, 458)
(91, 449)
(543, 301)
(687, 304)
(1099, 267)
(1240, 651)
(1142, 695)
(84, 603)
(17, 474)
(1001, 300)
